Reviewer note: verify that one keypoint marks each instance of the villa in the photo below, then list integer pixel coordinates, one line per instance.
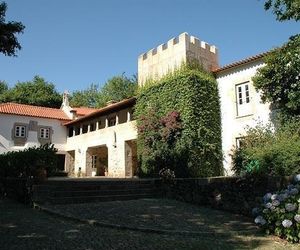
(102, 141)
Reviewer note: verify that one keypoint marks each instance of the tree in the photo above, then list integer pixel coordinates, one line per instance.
(3, 87)
(284, 9)
(279, 79)
(117, 89)
(8, 41)
(36, 92)
(85, 98)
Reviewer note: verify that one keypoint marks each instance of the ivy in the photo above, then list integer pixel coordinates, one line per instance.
(179, 128)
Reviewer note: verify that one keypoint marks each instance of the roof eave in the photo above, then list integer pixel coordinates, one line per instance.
(108, 109)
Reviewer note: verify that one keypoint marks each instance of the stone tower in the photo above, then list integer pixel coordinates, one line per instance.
(168, 56)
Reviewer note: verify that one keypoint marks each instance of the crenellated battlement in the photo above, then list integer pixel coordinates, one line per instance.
(168, 56)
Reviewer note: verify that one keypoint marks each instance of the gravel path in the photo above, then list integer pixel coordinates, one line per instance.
(28, 229)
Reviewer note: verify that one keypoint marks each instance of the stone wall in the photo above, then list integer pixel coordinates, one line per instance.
(169, 56)
(234, 194)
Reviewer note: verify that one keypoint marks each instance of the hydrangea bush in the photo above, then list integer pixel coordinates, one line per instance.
(279, 213)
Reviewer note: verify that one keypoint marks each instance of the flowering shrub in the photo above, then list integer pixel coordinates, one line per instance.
(280, 212)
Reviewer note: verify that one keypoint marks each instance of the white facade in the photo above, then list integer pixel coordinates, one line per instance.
(113, 138)
(241, 106)
(8, 142)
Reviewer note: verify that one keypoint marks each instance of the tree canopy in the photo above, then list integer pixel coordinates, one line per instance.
(85, 98)
(284, 9)
(279, 79)
(36, 92)
(117, 88)
(9, 44)
(3, 87)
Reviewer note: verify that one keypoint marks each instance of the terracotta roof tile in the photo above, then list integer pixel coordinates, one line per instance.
(34, 111)
(82, 111)
(241, 62)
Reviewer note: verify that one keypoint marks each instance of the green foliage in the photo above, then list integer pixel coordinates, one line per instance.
(8, 41)
(279, 80)
(3, 87)
(37, 92)
(25, 163)
(284, 9)
(85, 98)
(178, 120)
(115, 89)
(269, 151)
(279, 213)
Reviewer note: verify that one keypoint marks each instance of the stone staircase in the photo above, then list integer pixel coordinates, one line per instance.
(93, 190)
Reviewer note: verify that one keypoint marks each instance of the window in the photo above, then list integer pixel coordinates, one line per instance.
(243, 99)
(243, 93)
(20, 131)
(94, 161)
(44, 133)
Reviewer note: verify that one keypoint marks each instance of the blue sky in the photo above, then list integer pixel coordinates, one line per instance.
(74, 43)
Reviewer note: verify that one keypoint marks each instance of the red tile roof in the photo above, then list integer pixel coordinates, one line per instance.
(108, 109)
(82, 111)
(241, 62)
(33, 111)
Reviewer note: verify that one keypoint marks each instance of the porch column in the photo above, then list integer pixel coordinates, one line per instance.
(106, 122)
(128, 116)
(117, 119)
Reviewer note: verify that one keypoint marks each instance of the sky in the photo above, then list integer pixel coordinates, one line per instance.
(74, 43)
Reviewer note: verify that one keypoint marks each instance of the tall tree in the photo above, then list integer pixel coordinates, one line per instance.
(116, 89)
(85, 98)
(36, 92)
(279, 79)
(8, 41)
(284, 9)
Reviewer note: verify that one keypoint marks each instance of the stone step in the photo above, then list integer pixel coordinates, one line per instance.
(89, 182)
(101, 192)
(92, 187)
(87, 199)
(80, 191)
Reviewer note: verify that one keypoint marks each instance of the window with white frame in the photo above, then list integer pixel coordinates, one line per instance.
(243, 99)
(20, 131)
(94, 161)
(45, 133)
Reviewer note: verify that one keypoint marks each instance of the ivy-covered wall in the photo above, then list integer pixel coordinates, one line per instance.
(179, 125)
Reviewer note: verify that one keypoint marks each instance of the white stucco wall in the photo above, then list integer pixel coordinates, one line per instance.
(233, 126)
(104, 137)
(59, 135)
